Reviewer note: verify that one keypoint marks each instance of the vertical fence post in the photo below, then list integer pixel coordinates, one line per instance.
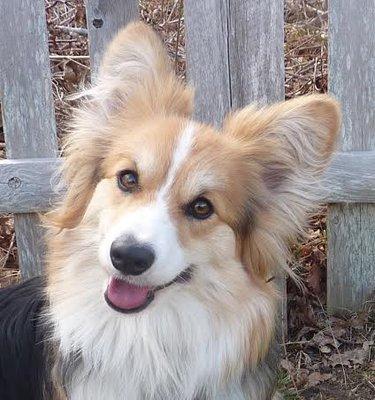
(104, 20)
(29, 120)
(235, 56)
(207, 37)
(351, 227)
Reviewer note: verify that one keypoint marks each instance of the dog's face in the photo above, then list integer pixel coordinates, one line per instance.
(172, 200)
(175, 206)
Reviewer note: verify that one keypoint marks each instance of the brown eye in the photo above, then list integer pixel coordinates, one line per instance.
(127, 180)
(200, 208)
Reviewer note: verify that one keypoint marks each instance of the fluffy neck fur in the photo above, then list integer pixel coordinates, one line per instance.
(190, 344)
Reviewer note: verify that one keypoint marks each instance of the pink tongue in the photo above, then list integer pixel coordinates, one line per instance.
(125, 295)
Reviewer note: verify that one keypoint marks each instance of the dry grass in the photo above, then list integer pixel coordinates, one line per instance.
(167, 18)
(9, 272)
(305, 47)
(69, 57)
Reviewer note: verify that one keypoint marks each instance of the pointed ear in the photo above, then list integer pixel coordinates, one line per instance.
(137, 75)
(289, 144)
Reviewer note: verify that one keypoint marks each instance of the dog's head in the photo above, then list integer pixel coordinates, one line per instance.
(159, 201)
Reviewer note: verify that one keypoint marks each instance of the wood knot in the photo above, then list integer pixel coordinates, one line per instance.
(97, 22)
(14, 182)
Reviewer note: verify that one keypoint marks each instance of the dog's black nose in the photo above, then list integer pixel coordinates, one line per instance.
(131, 258)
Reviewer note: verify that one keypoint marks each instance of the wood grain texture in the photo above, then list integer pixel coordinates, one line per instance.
(28, 185)
(104, 19)
(28, 115)
(234, 57)
(30, 244)
(206, 25)
(350, 178)
(231, 60)
(351, 228)
(256, 51)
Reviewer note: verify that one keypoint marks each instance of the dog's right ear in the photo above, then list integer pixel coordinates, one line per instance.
(136, 75)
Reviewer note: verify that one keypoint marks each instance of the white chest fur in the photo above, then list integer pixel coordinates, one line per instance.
(171, 350)
(184, 346)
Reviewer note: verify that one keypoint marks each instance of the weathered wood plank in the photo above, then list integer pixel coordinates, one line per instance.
(351, 228)
(28, 185)
(30, 244)
(256, 51)
(206, 26)
(29, 122)
(236, 61)
(350, 178)
(104, 20)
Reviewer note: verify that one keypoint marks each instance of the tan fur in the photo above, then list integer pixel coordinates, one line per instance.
(260, 173)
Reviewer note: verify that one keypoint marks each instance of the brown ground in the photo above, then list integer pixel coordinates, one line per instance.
(325, 357)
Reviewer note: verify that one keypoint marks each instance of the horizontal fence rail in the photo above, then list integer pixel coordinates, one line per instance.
(350, 178)
(30, 185)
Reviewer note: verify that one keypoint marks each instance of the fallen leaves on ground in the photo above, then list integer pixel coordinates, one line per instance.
(332, 356)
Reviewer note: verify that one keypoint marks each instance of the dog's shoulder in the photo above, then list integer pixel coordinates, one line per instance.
(22, 341)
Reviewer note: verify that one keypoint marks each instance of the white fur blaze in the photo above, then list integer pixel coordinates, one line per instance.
(182, 150)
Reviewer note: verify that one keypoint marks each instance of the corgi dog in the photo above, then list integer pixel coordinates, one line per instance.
(161, 254)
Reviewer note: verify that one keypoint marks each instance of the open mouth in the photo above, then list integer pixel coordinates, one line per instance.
(128, 298)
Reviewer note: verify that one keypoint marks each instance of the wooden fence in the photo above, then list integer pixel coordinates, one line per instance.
(234, 56)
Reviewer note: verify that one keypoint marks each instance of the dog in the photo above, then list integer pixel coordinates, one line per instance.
(161, 256)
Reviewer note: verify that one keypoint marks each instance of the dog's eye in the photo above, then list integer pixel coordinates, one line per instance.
(200, 208)
(127, 180)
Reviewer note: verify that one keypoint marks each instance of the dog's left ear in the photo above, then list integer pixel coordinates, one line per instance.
(289, 145)
(137, 75)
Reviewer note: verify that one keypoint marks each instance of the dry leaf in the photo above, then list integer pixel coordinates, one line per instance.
(338, 332)
(287, 365)
(314, 278)
(349, 358)
(321, 339)
(317, 377)
(325, 349)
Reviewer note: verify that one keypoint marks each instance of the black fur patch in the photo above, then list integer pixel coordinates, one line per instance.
(23, 367)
